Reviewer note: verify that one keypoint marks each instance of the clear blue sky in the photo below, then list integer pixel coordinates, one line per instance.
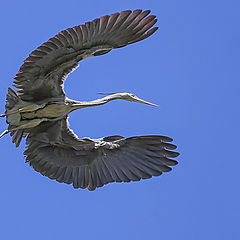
(190, 67)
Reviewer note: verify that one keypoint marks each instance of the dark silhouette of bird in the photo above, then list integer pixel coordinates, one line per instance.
(39, 109)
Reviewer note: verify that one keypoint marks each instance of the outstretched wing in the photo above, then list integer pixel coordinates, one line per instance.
(56, 152)
(44, 71)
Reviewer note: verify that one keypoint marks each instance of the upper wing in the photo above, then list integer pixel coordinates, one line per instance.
(43, 72)
(55, 151)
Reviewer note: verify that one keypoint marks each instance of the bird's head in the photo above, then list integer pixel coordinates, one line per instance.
(132, 98)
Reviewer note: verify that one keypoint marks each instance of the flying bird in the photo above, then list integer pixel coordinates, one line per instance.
(39, 109)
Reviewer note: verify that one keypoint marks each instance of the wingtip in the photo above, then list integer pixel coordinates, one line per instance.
(147, 11)
(152, 31)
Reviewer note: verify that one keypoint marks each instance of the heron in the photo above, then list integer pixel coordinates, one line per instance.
(39, 109)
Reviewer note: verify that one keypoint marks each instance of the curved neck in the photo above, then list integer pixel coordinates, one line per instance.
(97, 102)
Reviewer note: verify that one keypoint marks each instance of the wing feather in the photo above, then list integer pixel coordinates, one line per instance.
(92, 163)
(82, 178)
(44, 71)
(75, 177)
(104, 170)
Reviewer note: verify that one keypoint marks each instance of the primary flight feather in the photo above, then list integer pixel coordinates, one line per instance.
(39, 109)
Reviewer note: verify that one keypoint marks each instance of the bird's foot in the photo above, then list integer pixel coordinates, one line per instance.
(3, 133)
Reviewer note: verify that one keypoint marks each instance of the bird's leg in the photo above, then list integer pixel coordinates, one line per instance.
(26, 124)
(4, 132)
(7, 114)
(29, 108)
(7, 131)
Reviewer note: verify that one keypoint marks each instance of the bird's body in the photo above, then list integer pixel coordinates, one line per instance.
(31, 114)
(39, 109)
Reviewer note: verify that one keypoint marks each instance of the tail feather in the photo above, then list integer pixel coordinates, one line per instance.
(17, 136)
(11, 100)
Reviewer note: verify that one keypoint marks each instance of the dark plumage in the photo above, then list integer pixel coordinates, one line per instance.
(40, 108)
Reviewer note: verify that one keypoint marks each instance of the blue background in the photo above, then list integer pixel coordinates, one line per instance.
(190, 67)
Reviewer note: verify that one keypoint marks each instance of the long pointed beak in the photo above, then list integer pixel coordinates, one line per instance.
(145, 102)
